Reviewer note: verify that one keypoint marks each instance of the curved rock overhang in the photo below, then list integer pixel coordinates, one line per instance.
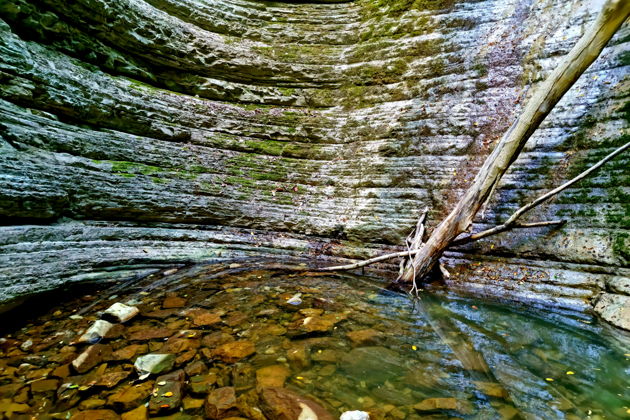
(139, 134)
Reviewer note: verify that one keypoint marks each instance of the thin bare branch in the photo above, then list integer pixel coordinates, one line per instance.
(366, 262)
(511, 222)
(502, 228)
(567, 184)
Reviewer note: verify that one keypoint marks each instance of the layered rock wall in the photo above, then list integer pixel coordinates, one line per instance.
(137, 134)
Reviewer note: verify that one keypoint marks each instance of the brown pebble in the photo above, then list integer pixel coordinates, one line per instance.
(130, 396)
(273, 376)
(45, 385)
(221, 403)
(95, 415)
(173, 302)
(62, 371)
(234, 351)
(195, 368)
(138, 413)
(91, 357)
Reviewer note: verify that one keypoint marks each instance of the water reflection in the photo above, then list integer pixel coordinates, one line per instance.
(341, 341)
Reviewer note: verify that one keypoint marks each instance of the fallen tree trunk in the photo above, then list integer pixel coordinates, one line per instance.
(588, 48)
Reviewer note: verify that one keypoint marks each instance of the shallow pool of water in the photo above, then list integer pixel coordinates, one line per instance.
(339, 342)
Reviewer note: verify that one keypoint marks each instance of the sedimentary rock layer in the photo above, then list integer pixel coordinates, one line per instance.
(140, 134)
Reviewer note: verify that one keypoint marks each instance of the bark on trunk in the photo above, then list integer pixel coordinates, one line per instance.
(588, 48)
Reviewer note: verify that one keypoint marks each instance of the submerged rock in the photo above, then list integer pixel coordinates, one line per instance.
(154, 363)
(27, 345)
(44, 385)
(295, 299)
(283, 404)
(206, 318)
(91, 404)
(91, 357)
(201, 384)
(138, 413)
(172, 302)
(167, 395)
(492, 389)
(299, 355)
(272, 376)
(221, 403)
(96, 332)
(234, 351)
(111, 379)
(368, 337)
(438, 404)
(373, 364)
(130, 396)
(121, 312)
(95, 415)
(9, 407)
(316, 324)
(147, 333)
(128, 352)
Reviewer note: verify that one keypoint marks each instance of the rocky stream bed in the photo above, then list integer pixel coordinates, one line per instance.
(229, 341)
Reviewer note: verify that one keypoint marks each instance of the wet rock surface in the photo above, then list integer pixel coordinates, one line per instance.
(369, 351)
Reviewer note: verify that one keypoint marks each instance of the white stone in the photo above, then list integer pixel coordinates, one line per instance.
(121, 312)
(98, 330)
(295, 299)
(153, 363)
(355, 415)
(26, 346)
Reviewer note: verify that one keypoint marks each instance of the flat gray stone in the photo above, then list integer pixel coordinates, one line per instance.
(614, 309)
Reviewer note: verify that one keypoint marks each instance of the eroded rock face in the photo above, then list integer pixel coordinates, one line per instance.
(146, 134)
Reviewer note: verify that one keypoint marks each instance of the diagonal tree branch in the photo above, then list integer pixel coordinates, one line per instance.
(511, 222)
(508, 225)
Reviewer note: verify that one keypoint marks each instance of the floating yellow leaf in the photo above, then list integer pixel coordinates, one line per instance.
(549, 379)
(299, 377)
(569, 372)
(414, 348)
(167, 394)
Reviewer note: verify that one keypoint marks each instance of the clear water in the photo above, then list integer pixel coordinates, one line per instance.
(485, 361)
